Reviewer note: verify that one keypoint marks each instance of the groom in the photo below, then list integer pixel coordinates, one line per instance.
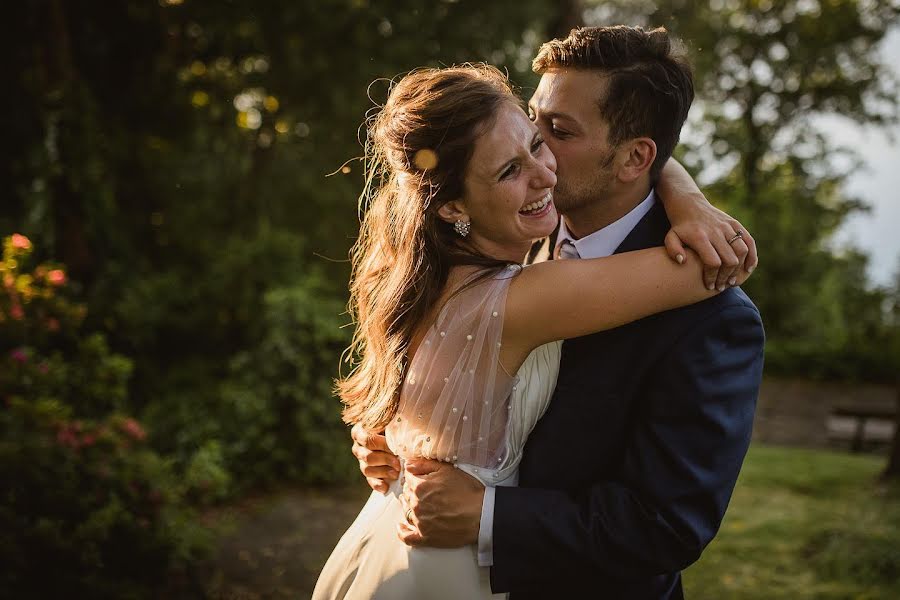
(626, 478)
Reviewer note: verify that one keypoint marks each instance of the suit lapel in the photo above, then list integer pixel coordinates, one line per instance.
(649, 232)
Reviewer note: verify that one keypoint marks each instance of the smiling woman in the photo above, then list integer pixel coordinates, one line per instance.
(508, 188)
(419, 146)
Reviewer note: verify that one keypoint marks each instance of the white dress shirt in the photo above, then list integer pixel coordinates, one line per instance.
(602, 242)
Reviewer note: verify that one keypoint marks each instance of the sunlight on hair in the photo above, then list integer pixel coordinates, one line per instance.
(425, 159)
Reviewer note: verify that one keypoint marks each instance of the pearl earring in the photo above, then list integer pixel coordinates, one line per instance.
(462, 227)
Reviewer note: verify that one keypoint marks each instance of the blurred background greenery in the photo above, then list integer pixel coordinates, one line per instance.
(183, 182)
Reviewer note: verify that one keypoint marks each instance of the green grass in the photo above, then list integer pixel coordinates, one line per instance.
(804, 524)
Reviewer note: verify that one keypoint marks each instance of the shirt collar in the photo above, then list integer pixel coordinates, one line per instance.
(604, 242)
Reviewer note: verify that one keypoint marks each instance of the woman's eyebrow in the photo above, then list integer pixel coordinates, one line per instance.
(503, 167)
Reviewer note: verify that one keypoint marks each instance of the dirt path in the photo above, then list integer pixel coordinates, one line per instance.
(275, 545)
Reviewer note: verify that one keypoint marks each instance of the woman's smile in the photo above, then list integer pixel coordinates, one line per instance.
(540, 208)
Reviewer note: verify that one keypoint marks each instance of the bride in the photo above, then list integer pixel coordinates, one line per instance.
(457, 346)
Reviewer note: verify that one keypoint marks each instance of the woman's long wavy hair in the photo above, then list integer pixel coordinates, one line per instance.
(416, 153)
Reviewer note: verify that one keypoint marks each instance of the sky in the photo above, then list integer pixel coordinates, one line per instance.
(878, 184)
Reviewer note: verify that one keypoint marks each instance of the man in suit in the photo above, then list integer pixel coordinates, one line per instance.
(627, 476)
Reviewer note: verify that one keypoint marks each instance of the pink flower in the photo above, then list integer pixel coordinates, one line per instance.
(66, 437)
(19, 355)
(56, 277)
(134, 429)
(20, 241)
(16, 312)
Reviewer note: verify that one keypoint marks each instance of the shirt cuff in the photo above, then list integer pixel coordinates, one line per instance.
(486, 530)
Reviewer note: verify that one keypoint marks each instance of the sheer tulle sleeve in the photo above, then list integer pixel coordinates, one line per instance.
(454, 401)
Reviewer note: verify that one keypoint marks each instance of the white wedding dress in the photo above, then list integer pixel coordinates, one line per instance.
(457, 405)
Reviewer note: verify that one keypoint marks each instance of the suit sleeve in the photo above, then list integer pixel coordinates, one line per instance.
(681, 461)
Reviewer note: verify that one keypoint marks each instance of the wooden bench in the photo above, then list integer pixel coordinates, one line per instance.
(861, 414)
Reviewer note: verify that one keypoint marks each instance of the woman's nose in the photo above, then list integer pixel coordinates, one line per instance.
(545, 175)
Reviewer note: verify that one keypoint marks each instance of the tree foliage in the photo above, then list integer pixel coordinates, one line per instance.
(766, 71)
(175, 156)
(192, 166)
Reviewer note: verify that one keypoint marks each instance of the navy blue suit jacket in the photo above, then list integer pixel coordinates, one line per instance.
(627, 476)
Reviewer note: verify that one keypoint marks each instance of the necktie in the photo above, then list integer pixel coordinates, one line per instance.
(567, 250)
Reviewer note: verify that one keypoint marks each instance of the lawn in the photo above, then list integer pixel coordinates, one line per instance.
(804, 524)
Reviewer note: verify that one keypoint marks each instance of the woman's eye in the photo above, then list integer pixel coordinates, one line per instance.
(558, 132)
(537, 145)
(509, 172)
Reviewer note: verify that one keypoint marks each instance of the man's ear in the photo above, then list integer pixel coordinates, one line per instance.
(453, 211)
(639, 155)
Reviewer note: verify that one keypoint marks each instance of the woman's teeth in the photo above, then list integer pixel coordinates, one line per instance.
(536, 206)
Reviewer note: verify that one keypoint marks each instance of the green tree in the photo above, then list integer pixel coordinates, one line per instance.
(765, 70)
(175, 156)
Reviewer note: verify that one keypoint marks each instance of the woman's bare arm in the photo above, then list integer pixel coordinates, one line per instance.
(568, 298)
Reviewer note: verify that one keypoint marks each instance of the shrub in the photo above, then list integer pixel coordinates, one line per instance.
(286, 380)
(273, 418)
(88, 509)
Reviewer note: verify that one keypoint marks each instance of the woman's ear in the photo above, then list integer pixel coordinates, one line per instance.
(453, 211)
(641, 152)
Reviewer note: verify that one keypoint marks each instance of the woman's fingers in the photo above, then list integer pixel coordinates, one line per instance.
(730, 261)
(737, 240)
(378, 485)
(709, 234)
(752, 259)
(710, 258)
(385, 472)
(741, 251)
(376, 459)
(674, 247)
(369, 439)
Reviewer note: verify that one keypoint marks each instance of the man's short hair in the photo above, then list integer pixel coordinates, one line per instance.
(650, 83)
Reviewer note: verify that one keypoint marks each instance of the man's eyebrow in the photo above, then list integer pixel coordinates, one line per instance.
(559, 115)
(551, 114)
(503, 167)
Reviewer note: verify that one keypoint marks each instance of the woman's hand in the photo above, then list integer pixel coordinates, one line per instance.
(376, 461)
(722, 243)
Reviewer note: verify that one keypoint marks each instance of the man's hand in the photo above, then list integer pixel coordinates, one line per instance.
(443, 505)
(376, 461)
